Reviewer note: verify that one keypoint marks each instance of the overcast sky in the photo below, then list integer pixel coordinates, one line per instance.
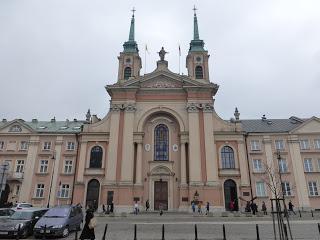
(56, 56)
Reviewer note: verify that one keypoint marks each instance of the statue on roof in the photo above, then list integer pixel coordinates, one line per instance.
(162, 54)
(88, 116)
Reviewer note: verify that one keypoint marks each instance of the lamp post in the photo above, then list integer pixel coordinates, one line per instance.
(53, 158)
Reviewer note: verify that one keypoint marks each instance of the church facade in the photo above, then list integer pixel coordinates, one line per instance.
(161, 141)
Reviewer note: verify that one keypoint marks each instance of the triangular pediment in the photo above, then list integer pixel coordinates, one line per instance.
(16, 126)
(311, 125)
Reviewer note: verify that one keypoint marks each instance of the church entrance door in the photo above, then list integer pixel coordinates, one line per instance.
(160, 195)
(230, 195)
(93, 194)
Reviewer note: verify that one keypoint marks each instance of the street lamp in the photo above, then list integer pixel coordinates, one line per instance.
(53, 158)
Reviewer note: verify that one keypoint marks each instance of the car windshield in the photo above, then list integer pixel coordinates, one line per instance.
(57, 212)
(22, 215)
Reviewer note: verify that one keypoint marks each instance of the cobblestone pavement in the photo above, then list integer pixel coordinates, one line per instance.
(182, 227)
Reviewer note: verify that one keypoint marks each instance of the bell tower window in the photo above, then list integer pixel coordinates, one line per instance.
(127, 73)
(199, 72)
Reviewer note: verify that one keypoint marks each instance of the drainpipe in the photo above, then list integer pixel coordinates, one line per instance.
(245, 141)
(75, 167)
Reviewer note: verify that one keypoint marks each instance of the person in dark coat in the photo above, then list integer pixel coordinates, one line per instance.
(88, 233)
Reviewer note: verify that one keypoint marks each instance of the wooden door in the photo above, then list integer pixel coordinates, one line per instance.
(160, 195)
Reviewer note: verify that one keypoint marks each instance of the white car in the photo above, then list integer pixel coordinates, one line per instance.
(20, 206)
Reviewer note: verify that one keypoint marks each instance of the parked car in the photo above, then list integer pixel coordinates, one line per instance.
(6, 212)
(59, 221)
(20, 206)
(24, 220)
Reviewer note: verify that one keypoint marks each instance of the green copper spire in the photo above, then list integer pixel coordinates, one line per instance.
(196, 44)
(131, 46)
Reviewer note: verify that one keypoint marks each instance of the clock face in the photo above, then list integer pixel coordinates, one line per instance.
(128, 60)
(198, 59)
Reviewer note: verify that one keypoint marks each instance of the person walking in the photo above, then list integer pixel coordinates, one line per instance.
(88, 228)
(104, 209)
(147, 205)
(291, 208)
(199, 208)
(111, 207)
(136, 208)
(264, 208)
(193, 206)
(231, 205)
(207, 208)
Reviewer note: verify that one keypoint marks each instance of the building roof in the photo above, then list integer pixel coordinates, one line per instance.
(270, 125)
(52, 126)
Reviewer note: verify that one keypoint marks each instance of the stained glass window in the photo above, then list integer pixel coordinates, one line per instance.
(161, 143)
(227, 157)
(96, 157)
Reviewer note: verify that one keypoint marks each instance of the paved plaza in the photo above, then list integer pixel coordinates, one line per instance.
(181, 226)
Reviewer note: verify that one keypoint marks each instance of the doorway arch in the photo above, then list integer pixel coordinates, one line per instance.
(230, 194)
(93, 192)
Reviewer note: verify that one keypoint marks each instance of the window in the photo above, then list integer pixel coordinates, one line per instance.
(64, 190)
(308, 165)
(1, 145)
(279, 144)
(257, 165)
(19, 166)
(127, 73)
(316, 144)
(96, 157)
(283, 167)
(68, 166)
(15, 128)
(39, 191)
(304, 144)
(23, 145)
(286, 190)
(199, 72)
(260, 189)
(161, 143)
(17, 189)
(255, 145)
(43, 166)
(46, 145)
(70, 146)
(313, 190)
(227, 157)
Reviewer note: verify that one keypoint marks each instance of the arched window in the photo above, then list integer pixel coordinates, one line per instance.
(199, 72)
(96, 157)
(227, 157)
(127, 73)
(161, 143)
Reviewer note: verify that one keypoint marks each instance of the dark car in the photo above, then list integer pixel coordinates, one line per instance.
(6, 212)
(23, 220)
(59, 221)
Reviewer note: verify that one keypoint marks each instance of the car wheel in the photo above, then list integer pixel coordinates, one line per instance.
(65, 232)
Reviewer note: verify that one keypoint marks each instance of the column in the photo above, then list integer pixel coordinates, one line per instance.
(298, 172)
(183, 164)
(139, 164)
(243, 164)
(127, 146)
(194, 146)
(57, 160)
(113, 144)
(26, 187)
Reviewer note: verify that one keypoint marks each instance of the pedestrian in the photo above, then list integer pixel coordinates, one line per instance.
(88, 228)
(193, 206)
(104, 209)
(111, 207)
(231, 205)
(147, 205)
(199, 208)
(207, 208)
(264, 208)
(254, 208)
(291, 207)
(247, 208)
(136, 208)
(161, 209)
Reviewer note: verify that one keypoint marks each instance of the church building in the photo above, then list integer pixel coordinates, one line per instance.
(161, 141)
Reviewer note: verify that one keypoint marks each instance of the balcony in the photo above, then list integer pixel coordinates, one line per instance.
(15, 176)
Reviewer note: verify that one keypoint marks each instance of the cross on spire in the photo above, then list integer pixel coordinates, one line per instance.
(194, 10)
(133, 10)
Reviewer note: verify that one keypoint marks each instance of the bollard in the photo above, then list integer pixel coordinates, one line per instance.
(135, 232)
(162, 232)
(76, 235)
(224, 232)
(195, 232)
(18, 233)
(299, 213)
(319, 227)
(257, 230)
(285, 231)
(311, 213)
(105, 231)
